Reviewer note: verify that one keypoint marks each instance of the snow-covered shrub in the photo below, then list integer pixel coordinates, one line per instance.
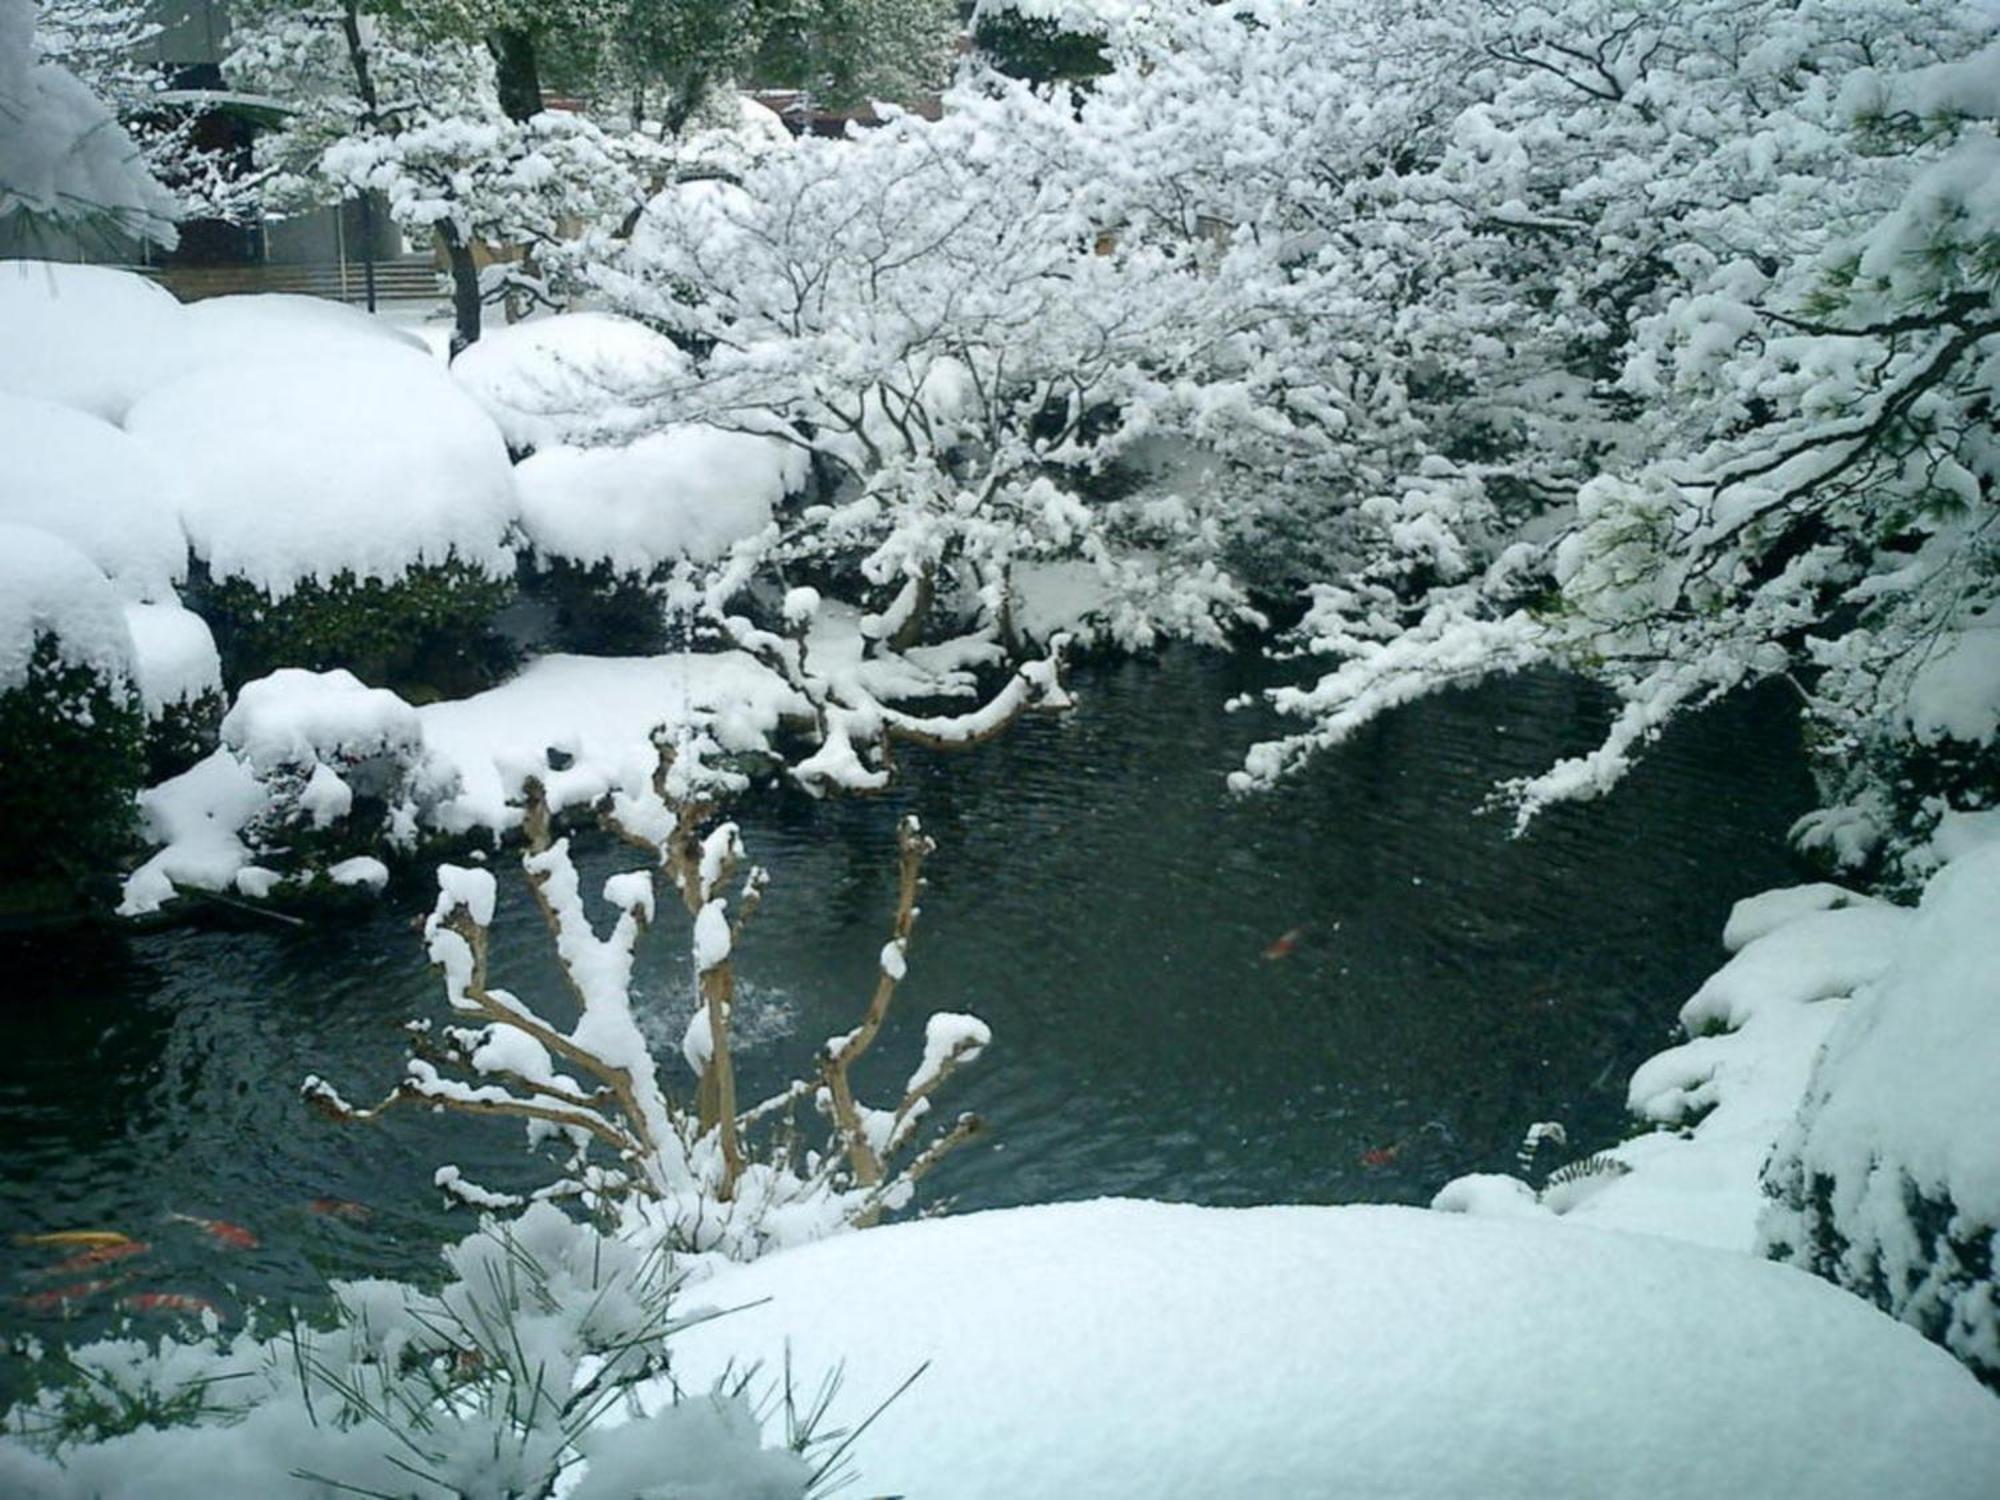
(85, 336)
(1888, 1181)
(341, 766)
(717, 1178)
(353, 509)
(620, 533)
(427, 633)
(179, 677)
(499, 1384)
(70, 719)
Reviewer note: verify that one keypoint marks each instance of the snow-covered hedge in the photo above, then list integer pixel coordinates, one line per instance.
(70, 720)
(1888, 1182)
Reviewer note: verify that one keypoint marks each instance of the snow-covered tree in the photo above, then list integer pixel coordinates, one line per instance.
(379, 106)
(1753, 249)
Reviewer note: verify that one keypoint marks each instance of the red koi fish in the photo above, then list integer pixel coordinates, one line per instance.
(57, 1298)
(342, 1208)
(102, 1255)
(1285, 944)
(1381, 1156)
(167, 1302)
(229, 1236)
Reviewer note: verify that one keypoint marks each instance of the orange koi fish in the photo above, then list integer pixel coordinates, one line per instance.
(229, 1236)
(342, 1208)
(1381, 1156)
(56, 1298)
(1285, 944)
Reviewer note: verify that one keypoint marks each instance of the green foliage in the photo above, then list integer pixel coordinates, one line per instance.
(427, 634)
(1038, 50)
(597, 610)
(71, 763)
(182, 734)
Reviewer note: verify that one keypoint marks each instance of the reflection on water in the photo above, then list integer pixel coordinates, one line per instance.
(1097, 897)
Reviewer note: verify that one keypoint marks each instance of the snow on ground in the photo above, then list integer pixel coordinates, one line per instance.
(598, 714)
(299, 469)
(689, 492)
(1098, 1351)
(569, 377)
(47, 587)
(86, 336)
(98, 488)
(175, 660)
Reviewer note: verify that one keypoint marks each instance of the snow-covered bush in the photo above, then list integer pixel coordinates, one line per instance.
(1888, 1181)
(341, 766)
(499, 1383)
(350, 510)
(179, 676)
(71, 724)
(717, 1178)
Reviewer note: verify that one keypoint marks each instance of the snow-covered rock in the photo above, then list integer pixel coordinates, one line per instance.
(299, 718)
(688, 492)
(97, 487)
(86, 336)
(1123, 1349)
(599, 714)
(570, 377)
(297, 469)
(1889, 1180)
(48, 587)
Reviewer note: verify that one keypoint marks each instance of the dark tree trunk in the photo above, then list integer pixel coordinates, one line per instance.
(464, 289)
(520, 79)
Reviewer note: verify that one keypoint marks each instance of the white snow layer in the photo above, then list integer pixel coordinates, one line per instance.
(1099, 1351)
(1908, 1082)
(601, 712)
(96, 487)
(174, 655)
(569, 378)
(688, 492)
(86, 336)
(48, 587)
(1956, 694)
(298, 718)
(363, 460)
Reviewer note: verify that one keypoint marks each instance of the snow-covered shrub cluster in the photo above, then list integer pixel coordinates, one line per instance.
(1888, 1181)
(499, 1383)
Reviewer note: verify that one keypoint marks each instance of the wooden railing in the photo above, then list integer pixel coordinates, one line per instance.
(409, 279)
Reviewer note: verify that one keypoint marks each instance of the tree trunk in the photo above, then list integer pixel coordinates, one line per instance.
(520, 80)
(464, 288)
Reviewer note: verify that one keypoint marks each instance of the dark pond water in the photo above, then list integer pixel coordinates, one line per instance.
(1097, 898)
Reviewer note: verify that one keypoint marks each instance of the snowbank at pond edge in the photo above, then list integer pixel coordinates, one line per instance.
(1113, 1349)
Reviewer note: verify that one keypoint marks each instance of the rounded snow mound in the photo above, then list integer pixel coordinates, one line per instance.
(1115, 1349)
(301, 469)
(569, 378)
(96, 487)
(86, 336)
(278, 325)
(48, 587)
(689, 492)
(298, 718)
(175, 660)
